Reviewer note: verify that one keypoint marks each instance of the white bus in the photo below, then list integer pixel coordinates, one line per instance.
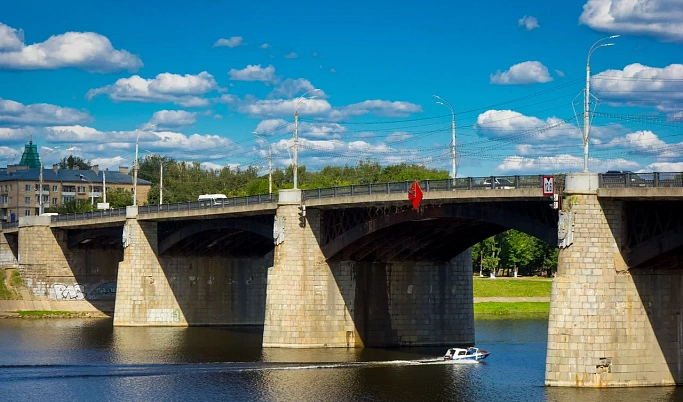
(212, 199)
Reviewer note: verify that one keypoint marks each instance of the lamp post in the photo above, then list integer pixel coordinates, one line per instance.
(92, 193)
(40, 190)
(296, 134)
(444, 102)
(586, 99)
(135, 165)
(270, 162)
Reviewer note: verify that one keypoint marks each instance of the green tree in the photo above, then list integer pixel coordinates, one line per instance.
(72, 206)
(118, 198)
(74, 163)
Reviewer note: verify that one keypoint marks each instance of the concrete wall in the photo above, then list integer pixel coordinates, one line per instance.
(8, 249)
(49, 269)
(610, 326)
(158, 291)
(311, 302)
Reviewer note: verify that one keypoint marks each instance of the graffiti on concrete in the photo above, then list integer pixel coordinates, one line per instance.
(60, 291)
(106, 291)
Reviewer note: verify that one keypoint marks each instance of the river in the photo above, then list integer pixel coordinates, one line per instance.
(88, 359)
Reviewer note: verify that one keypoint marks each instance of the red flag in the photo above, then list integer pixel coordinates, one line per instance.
(415, 194)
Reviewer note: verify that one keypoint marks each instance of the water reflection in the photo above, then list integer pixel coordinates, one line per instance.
(90, 358)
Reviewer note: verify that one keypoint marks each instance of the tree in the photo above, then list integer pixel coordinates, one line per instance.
(517, 249)
(73, 206)
(74, 163)
(118, 198)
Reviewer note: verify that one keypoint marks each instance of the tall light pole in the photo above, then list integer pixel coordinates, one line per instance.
(448, 104)
(92, 188)
(587, 99)
(270, 162)
(296, 134)
(40, 190)
(135, 165)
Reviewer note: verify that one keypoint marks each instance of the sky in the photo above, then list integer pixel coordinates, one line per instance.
(218, 82)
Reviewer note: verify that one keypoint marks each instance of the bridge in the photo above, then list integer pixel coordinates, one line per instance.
(363, 268)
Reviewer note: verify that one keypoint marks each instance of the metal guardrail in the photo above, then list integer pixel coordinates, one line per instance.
(208, 204)
(465, 183)
(105, 213)
(636, 180)
(10, 225)
(177, 206)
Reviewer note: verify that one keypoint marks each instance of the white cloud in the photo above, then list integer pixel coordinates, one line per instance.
(508, 123)
(254, 73)
(381, 108)
(291, 88)
(663, 167)
(291, 55)
(211, 166)
(265, 46)
(87, 51)
(529, 22)
(560, 163)
(272, 126)
(231, 42)
(399, 136)
(285, 107)
(663, 86)
(14, 113)
(182, 90)
(662, 19)
(18, 135)
(525, 73)
(11, 39)
(173, 119)
(559, 73)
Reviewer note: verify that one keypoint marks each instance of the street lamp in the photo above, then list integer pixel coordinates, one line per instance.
(135, 165)
(40, 190)
(448, 104)
(92, 188)
(586, 99)
(296, 134)
(270, 162)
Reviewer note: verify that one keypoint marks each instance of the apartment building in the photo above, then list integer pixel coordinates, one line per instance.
(20, 188)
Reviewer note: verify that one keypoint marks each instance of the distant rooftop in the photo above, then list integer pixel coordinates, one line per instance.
(68, 175)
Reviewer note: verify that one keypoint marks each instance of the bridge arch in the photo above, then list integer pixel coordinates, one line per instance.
(188, 231)
(481, 220)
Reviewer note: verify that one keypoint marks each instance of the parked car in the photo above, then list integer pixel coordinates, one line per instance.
(504, 184)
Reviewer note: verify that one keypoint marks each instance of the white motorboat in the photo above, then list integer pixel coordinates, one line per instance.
(471, 353)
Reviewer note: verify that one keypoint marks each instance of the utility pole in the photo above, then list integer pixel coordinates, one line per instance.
(161, 182)
(444, 102)
(135, 172)
(40, 191)
(296, 145)
(270, 170)
(104, 187)
(587, 97)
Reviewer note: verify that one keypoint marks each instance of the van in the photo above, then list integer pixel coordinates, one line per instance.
(49, 214)
(212, 199)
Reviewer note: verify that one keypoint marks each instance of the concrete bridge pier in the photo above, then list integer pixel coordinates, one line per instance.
(9, 248)
(313, 302)
(610, 325)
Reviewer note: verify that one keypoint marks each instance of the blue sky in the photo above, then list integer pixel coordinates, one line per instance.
(196, 79)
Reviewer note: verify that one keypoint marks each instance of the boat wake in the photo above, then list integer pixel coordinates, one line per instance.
(57, 371)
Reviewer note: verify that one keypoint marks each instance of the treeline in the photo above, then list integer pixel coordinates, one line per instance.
(514, 251)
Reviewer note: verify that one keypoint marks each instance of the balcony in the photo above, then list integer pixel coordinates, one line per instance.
(69, 193)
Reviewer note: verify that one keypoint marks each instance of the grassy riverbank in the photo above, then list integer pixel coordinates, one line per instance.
(511, 288)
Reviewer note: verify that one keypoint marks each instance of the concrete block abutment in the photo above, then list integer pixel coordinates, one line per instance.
(51, 270)
(312, 302)
(154, 290)
(610, 325)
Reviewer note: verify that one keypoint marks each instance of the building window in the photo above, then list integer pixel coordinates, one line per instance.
(54, 189)
(68, 189)
(27, 200)
(66, 198)
(54, 201)
(81, 189)
(28, 187)
(27, 212)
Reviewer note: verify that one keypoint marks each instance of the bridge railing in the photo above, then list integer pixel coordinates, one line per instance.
(10, 225)
(208, 204)
(461, 183)
(104, 213)
(635, 180)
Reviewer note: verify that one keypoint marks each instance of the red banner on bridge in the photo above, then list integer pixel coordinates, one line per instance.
(415, 194)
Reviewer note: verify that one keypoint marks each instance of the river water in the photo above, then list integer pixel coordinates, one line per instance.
(88, 359)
